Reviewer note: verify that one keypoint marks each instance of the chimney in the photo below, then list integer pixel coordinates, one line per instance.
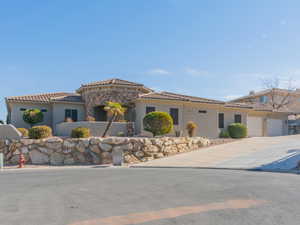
(251, 92)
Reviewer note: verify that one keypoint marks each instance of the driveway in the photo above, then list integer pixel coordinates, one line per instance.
(126, 196)
(263, 153)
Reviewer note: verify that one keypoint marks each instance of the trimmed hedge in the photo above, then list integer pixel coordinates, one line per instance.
(224, 134)
(80, 132)
(23, 131)
(40, 132)
(158, 123)
(237, 130)
(33, 116)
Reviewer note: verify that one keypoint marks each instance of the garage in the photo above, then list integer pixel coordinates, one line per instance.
(255, 126)
(275, 127)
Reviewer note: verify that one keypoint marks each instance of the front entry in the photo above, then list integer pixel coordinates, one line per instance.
(100, 114)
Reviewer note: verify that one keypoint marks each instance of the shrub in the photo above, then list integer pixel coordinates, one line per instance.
(224, 134)
(80, 132)
(237, 130)
(40, 132)
(191, 128)
(90, 119)
(23, 131)
(158, 123)
(121, 134)
(1, 122)
(33, 116)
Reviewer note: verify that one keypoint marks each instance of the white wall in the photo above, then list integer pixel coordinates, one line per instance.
(17, 114)
(97, 128)
(208, 125)
(59, 112)
(141, 112)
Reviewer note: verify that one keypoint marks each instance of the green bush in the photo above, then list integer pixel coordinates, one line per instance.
(80, 132)
(33, 116)
(1, 122)
(121, 134)
(158, 123)
(224, 134)
(40, 132)
(237, 130)
(23, 131)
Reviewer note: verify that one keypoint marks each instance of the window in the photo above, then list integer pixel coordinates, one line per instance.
(237, 118)
(150, 109)
(202, 111)
(71, 113)
(174, 114)
(221, 120)
(263, 99)
(44, 110)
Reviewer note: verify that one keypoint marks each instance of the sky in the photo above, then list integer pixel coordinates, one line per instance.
(218, 49)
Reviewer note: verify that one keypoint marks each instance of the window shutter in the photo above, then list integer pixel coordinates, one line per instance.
(174, 115)
(237, 118)
(221, 120)
(150, 109)
(68, 113)
(74, 115)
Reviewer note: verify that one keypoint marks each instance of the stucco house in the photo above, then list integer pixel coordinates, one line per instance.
(276, 99)
(211, 115)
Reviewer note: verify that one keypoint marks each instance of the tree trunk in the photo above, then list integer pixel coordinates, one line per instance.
(109, 125)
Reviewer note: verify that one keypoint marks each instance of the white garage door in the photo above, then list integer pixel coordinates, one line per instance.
(255, 126)
(275, 127)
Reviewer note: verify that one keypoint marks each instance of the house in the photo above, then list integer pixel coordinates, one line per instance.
(212, 116)
(276, 99)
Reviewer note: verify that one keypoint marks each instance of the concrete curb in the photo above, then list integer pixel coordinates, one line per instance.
(294, 171)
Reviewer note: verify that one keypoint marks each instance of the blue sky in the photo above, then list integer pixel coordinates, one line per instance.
(210, 48)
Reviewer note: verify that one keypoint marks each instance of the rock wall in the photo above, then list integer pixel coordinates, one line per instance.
(99, 96)
(67, 151)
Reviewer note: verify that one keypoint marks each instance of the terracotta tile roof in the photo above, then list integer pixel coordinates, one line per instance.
(265, 92)
(45, 98)
(69, 98)
(238, 105)
(178, 97)
(115, 81)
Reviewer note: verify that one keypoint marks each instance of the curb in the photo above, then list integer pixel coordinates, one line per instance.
(293, 171)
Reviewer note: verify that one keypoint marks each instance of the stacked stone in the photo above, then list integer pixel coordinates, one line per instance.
(96, 150)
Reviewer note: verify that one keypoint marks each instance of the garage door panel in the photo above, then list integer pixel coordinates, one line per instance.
(255, 126)
(275, 127)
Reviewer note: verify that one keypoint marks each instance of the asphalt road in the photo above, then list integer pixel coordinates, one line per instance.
(121, 196)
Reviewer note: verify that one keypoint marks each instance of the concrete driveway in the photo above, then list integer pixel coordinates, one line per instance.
(264, 153)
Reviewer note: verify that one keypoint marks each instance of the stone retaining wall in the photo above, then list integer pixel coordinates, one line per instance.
(67, 151)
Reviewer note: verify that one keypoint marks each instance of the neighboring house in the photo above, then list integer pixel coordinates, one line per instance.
(281, 100)
(212, 116)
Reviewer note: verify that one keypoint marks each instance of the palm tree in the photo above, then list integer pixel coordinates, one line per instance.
(113, 109)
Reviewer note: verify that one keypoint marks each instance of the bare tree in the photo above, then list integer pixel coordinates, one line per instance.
(280, 93)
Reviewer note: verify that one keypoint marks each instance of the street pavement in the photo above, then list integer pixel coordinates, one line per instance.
(123, 196)
(263, 153)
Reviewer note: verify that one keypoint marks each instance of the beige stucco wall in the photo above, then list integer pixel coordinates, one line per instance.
(207, 122)
(141, 112)
(17, 115)
(59, 112)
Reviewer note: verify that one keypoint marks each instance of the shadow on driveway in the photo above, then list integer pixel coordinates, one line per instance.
(290, 161)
